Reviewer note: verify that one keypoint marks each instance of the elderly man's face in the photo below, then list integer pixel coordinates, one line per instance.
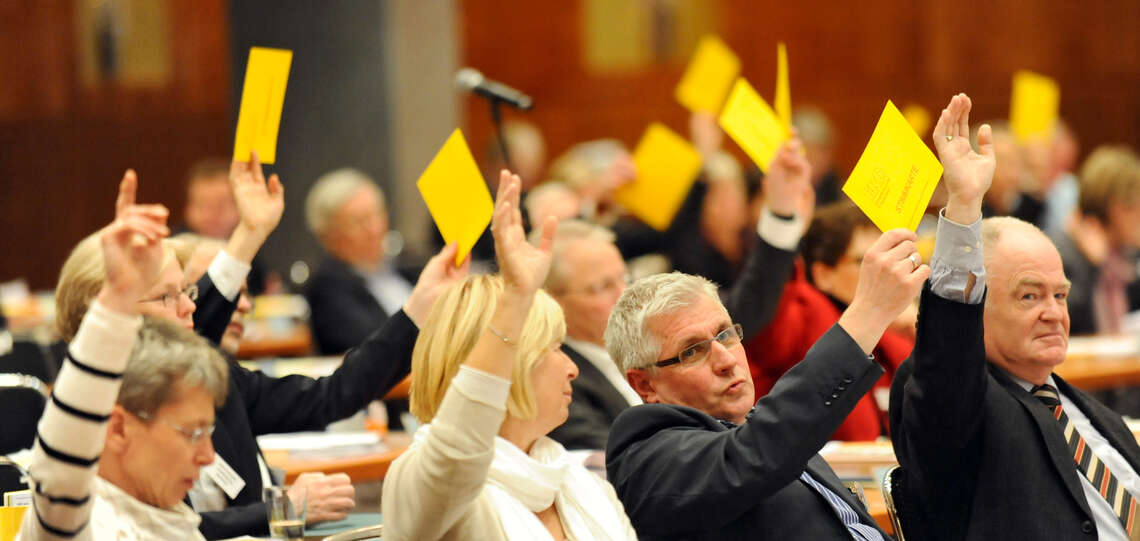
(720, 386)
(595, 278)
(1026, 315)
(356, 234)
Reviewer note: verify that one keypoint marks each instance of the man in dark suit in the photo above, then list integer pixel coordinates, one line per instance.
(703, 460)
(993, 444)
(353, 291)
(588, 275)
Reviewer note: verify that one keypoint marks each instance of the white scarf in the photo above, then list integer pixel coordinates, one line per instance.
(521, 485)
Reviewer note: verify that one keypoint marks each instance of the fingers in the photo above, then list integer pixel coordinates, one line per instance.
(128, 190)
(504, 180)
(276, 189)
(986, 140)
(964, 116)
(255, 166)
(546, 241)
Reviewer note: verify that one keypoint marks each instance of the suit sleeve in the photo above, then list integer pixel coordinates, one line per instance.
(754, 298)
(369, 371)
(251, 519)
(213, 312)
(673, 472)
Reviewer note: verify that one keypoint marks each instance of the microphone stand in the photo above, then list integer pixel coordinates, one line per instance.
(497, 120)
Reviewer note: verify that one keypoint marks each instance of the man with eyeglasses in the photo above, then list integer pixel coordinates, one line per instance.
(702, 459)
(588, 275)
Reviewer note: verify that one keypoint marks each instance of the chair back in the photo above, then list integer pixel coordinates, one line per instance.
(365, 532)
(22, 401)
(894, 495)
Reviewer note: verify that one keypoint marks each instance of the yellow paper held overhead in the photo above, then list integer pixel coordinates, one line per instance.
(783, 99)
(667, 165)
(896, 175)
(456, 195)
(1034, 105)
(262, 96)
(709, 76)
(918, 118)
(749, 121)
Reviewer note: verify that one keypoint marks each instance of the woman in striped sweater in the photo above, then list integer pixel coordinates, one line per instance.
(130, 419)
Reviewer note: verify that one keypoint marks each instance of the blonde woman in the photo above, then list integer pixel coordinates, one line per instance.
(490, 381)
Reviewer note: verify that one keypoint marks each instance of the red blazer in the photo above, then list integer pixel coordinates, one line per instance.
(804, 314)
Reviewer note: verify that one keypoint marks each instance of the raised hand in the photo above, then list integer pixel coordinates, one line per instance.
(788, 180)
(523, 265)
(439, 273)
(967, 173)
(132, 248)
(705, 133)
(260, 204)
(889, 279)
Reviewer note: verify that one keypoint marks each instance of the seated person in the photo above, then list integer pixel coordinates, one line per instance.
(256, 404)
(490, 382)
(356, 289)
(129, 424)
(701, 459)
(194, 254)
(993, 444)
(1098, 250)
(832, 250)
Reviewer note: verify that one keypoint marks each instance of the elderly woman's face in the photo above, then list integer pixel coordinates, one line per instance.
(162, 457)
(356, 234)
(168, 299)
(550, 379)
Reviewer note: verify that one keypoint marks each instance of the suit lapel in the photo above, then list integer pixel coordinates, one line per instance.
(1049, 431)
(1126, 447)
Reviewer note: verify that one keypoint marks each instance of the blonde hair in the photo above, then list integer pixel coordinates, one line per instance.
(457, 320)
(330, 192)
(629, 340)
(80, 280)
(1110, 174)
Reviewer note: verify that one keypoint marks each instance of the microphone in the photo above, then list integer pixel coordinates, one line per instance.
(472, 80)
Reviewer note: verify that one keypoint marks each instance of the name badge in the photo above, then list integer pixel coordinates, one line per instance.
(224, 476)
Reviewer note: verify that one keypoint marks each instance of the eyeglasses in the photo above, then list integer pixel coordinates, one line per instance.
(193, 435)
(697, 353)
(612, 283)
(169, 300)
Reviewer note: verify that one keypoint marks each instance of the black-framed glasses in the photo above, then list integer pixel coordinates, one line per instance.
(697, 353)
(170, 300)
(193, 435)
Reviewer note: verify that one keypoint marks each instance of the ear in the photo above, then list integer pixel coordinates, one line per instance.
(642, 383)
(821, 276)
(117, 438)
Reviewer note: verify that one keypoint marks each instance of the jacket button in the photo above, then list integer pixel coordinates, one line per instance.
(835, 395)
(841, 388)
(1087, 526)
(848, 380)
(828, 403)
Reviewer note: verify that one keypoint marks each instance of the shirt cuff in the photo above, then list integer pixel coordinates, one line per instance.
(228, 274)
(482, 387)
(958, 261)
(780, 232)
(105, 338)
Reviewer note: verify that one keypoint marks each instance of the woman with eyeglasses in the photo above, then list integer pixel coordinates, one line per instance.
(490, 382)
(129, 424)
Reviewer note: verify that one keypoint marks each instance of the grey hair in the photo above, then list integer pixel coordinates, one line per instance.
(992, 229)
(813, 126)
(164, 356)
(629, 340)
(585, 162)
(331, 191)
(568, 232)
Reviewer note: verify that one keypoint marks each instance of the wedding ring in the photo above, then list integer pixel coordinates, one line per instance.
(915, 260)
(949, 137)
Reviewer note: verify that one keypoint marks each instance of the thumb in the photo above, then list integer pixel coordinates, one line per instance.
(986, 140)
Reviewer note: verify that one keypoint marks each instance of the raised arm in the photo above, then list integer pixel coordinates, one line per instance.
(73, 429)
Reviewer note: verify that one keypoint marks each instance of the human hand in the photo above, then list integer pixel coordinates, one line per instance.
(132, 248)
(439, 273)
(788, 180)
(889, 280)
(524, 266)
(705, 133)
(327, 497)
(260, 204)
(968, 174)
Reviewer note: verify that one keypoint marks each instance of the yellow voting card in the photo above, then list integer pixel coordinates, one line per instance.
(1034, 105)
(754, 126)
(709, 76)
(918, 118)
(667, 165)
(262, 96)
(456, 195)
(896, 175)
(783, 99)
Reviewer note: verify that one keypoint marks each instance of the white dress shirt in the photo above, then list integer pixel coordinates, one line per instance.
(600, 358)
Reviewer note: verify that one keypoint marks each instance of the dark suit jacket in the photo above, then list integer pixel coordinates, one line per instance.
(257, 404)
(595, 406)
(343, 311)
(682, 474)
(984, 459)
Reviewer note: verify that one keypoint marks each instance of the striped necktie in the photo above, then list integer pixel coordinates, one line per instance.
(1090, 465)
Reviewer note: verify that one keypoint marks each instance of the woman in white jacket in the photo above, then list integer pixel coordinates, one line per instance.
(490, 380)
